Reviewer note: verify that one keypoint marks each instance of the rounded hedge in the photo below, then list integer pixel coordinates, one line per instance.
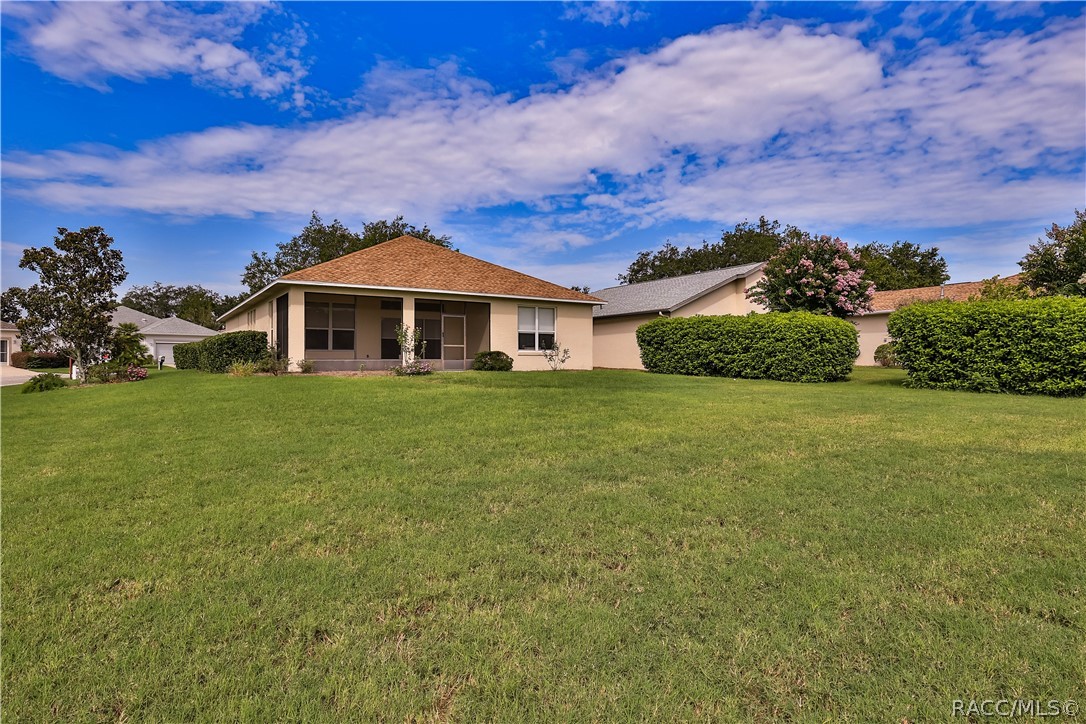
(493, 361)
(786, 346)
(216, 354)
(1027, 346)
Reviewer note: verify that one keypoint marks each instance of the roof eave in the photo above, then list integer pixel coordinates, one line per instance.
(419, 290)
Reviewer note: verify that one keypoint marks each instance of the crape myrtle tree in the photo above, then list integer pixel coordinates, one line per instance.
(819, 275)
(320, 242)
(69, 308)
(1058, 266)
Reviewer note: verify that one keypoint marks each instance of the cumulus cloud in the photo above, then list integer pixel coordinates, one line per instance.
(812, 127)
(90, 43)
(603, 12)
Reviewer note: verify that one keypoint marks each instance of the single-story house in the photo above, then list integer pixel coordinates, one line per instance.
(160, 335)
(344, 313)
(720, 291)
(872, 326)
(9, 342)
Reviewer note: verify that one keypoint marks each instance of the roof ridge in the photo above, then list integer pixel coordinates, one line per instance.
(682, 276)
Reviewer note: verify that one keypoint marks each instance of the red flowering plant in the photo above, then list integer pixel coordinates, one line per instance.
(819, 275)
(135, 373)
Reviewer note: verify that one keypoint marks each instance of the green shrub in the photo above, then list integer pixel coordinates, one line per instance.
(106, 372)
(493, 361)
(186, 356)
(216, 354)
(1029, 346)
(885, 356)
(38, 360)
(273, 361)
(44, 383)
(787, 346)
(307, 366)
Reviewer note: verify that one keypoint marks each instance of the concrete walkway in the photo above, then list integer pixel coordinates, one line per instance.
(14, 376)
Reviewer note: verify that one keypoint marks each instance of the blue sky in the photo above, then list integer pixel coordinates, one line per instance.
(557, 138)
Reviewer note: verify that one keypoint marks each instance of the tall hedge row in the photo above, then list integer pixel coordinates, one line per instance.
(1029, 346)
(792, 346)
(216, 354)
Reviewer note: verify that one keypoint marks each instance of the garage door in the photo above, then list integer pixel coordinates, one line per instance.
(164, 349)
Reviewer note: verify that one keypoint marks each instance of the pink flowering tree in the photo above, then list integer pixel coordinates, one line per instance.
(819, 275)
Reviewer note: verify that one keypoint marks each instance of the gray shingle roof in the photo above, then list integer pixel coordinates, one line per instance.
(127, 315)
(174, 325)
(666, 295)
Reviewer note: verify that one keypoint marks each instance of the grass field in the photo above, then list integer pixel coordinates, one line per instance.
(542, 546)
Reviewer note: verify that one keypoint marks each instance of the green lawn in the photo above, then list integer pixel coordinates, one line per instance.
(570, 546)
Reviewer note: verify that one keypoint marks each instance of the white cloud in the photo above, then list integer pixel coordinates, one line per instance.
(603, 12)
(90, 43)
(811, 127)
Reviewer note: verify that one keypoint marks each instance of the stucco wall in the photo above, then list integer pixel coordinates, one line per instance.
(615, 341)
(872, 329)
(573, 330)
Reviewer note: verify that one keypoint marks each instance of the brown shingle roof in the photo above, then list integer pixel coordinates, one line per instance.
(410, 263)
(958, 292)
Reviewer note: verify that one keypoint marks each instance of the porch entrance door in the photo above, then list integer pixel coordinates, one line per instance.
(453, 341)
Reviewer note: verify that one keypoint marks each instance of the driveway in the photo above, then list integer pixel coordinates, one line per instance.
(14, 376)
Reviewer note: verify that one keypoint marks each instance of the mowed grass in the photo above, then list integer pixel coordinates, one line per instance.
(537, 546)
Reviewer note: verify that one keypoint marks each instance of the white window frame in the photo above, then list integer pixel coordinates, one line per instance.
(535, 331)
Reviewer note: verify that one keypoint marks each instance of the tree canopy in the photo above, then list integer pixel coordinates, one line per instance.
(747, 243)
(192, 302)
(11, 304)
(320, 242)
(69, 308)
(902, 265)
(1058, 266)
(814, 275)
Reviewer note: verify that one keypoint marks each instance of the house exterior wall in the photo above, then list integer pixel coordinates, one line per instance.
(872, 329)
(615, 339)
(496, 331)
(11, 337)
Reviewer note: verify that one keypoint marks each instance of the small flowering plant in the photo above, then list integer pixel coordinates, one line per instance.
(135, 373)
(414, 367)
(819, 275)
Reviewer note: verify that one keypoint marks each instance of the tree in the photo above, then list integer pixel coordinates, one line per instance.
(319, 242)
(1058, 266)
(71, 304)
(193, 302)
(747, 243)
(126, 346)
(11, 304)
(582, 289)
(902, 265)
(996, 289)
(814, 275)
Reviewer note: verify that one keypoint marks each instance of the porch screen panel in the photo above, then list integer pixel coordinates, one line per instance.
(316, 325)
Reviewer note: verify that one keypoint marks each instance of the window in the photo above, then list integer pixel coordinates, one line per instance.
(3, 351)
(250, 317)
(390, 348)
(535, 328)
(329, 325)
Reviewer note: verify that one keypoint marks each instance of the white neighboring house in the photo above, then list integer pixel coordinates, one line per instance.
(9, 342)
(160, 335)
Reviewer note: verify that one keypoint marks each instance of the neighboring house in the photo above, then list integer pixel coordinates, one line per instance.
(872, 326)
(160, 335)
(344, 312)
(9, 342)
(720, 291)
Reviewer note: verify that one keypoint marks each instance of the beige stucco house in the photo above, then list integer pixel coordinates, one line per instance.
(344, 312)
(9, 342)
(721, 291)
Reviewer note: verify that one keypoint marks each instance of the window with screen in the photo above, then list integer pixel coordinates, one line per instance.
(329, 326)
